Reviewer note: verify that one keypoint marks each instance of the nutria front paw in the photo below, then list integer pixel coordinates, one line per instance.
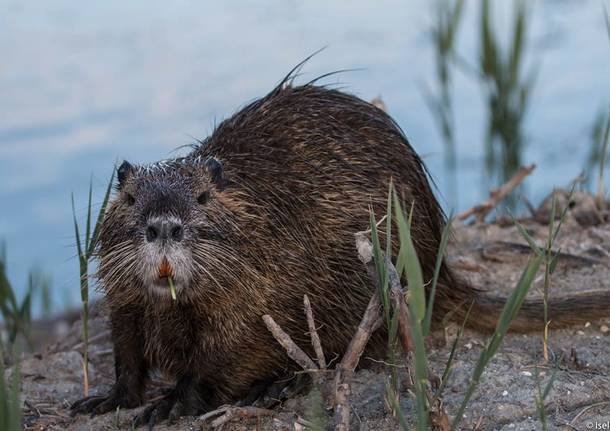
(168, 407)
(100, 404)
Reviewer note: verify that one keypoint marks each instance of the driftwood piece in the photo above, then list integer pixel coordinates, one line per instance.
(294, 351)
(496, 196)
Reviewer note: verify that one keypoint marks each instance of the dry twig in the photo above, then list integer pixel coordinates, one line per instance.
(497, 195)
(226, 414)
(398, 299)
(313, 333)
(586, 409)
(370, 322)
(294, 351)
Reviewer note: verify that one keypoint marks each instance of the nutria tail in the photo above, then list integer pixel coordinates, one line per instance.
(485, 310)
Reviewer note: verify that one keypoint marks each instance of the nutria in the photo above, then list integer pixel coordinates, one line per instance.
(257, 215)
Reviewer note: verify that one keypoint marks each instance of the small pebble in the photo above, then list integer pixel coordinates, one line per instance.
(469, 346)
(580, 332)
(526, 373)
(604, 328)
(587, 324)
(505, 393)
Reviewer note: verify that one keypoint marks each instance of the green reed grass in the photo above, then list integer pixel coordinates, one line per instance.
(449, 364)
(607, 19)
(409, 268)
(16, 315)
(390, 316)
(550, 260)
(408, 265)
(507, 91)
(596, 145)
(444, 35)
(85, 253)
(13, 313)
(602, 164)
(409, 261)
(541, 396)
(172, 288)
(10, 403)
(508, 314)
(446, 234)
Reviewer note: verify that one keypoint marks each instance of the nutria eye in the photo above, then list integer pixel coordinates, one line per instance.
(203, 198)
(130, 199)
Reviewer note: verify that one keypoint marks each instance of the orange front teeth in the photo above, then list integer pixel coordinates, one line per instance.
(165, 269)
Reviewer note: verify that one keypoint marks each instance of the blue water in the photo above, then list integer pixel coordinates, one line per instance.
(85, 84)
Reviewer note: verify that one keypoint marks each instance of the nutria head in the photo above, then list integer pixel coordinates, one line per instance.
(162, 224)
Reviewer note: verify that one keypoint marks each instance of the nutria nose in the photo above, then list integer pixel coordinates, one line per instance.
(164, 230)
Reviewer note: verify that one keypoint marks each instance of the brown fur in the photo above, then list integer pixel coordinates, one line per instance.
(304, 165)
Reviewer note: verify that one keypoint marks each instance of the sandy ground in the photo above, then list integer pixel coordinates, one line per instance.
(491, 256)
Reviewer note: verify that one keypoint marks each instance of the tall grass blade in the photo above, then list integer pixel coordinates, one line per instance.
(84, 255)
(89, 205)
(79, 248)
(607, 19)
(449, 364)
(15, 316)
(541, 397)
(508, 92)
(100, 215)
(602, 164)
(444, 36)
(509, 312)
(417, 311)
(381, 268)
(10, 406)
(518, 35)
(437, 270)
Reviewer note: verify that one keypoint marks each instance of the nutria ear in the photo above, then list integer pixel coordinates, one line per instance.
(123, 172)
(214, 168)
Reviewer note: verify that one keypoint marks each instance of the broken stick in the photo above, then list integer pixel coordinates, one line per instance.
(496, 195)
(226, 414)
(294, 351)
(313, 333)
(370, 322)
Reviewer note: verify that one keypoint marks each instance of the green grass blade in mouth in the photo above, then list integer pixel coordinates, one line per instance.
(172, 288)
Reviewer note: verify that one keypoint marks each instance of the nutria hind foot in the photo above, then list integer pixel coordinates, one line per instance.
(188, 398)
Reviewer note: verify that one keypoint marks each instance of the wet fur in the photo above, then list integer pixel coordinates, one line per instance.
(302, 166)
